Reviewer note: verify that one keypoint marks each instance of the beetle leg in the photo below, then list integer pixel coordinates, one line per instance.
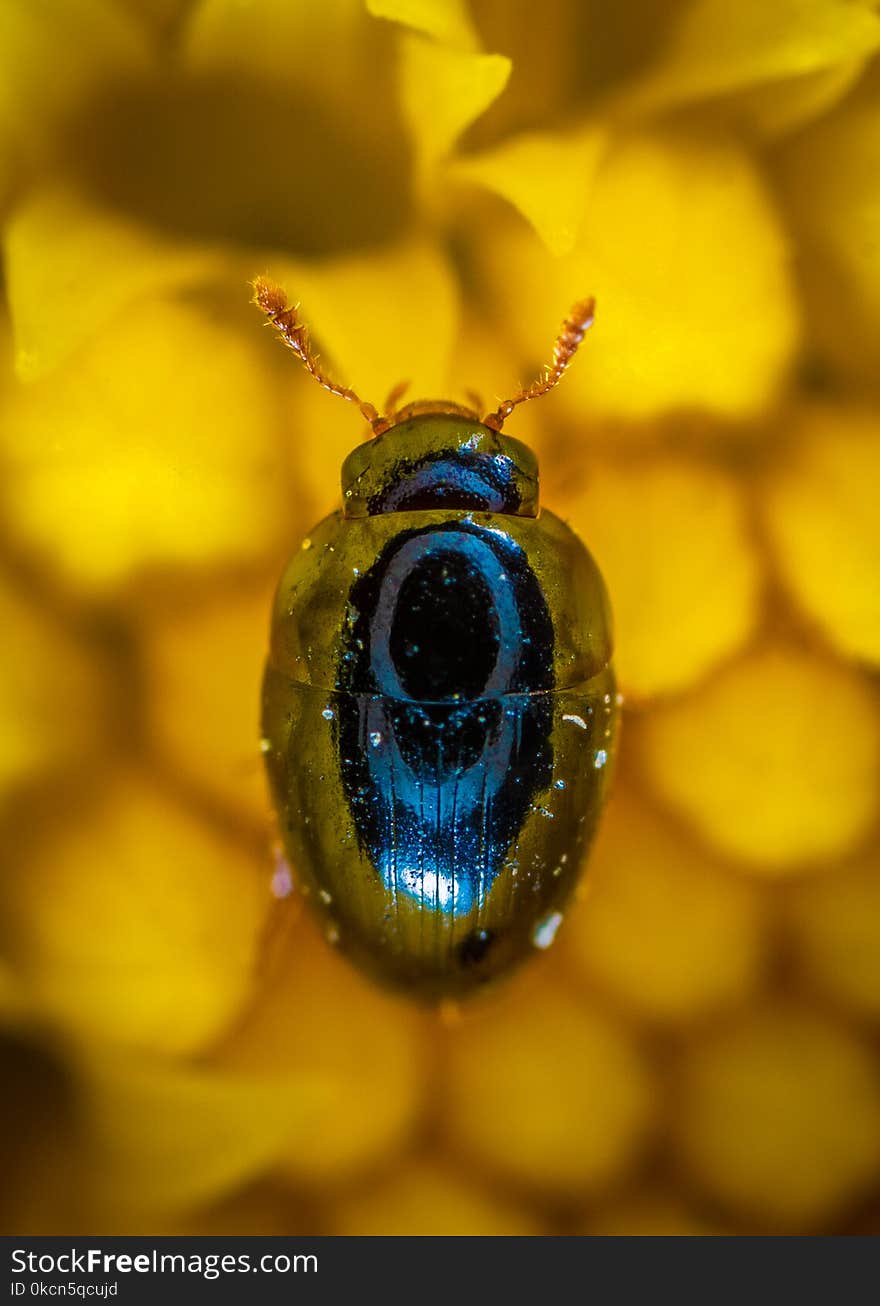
(395, 394)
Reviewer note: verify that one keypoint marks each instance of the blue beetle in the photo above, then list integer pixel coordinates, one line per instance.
(439, 708)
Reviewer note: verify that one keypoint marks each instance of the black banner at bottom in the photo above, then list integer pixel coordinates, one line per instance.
(252, 1269)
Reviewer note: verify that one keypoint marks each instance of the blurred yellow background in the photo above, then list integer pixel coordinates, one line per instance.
(437, 181)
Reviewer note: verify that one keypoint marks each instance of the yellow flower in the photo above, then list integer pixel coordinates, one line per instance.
(436, 181)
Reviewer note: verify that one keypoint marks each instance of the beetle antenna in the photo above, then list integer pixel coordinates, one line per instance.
(571, 333)
(273, 302)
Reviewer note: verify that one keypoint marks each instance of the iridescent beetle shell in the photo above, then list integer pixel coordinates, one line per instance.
(439, 707)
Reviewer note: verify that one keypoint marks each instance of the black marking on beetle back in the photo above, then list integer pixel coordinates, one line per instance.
(450, 478)
(445, 632)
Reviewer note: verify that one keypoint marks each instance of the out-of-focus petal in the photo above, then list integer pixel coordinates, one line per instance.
(775, 761)
(159, 16)
(716, 48)
(320, 46)
(134, 923)
(156, 445)
(316, 1015)
(442, 91)
(672, 541)
(545, 176)
(546, 1091)
(780, 108)
(204, 667)
(820, 509)
(71, 268)
(424, 1200)
(447, 21)
(835, 926)
(50, 694)
(661, 926)
(779, 1116)
(161, 1137)
(690, 267)
(49, 63)
(652, 1214)
(831, 182)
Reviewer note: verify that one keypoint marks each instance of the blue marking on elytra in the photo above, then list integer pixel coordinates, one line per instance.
(439, 790)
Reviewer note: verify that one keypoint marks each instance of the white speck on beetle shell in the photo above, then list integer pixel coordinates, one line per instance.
(375, 738)
(545, 931)
(601, 759)
(327, 714)
(575, 720)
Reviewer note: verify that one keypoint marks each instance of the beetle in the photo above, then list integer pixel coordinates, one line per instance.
(439, 707)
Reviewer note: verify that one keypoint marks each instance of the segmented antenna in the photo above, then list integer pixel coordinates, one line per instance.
(273, 302)
(271, 299)
(571, 333)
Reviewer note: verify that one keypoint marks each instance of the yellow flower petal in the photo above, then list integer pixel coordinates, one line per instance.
(71, 268)
(50, 695)
(159, 16)
(443, 90)
(135, 923)
(835, 923)
(776, 760)
(378, 319)
(652, 1214)
(546, 1092)
(204, 668)
(317, 1016)
(831, 176)
(545, 176)
(263, 1209)
(320, 46)
(156, 445)
(821, 514)
(161, 1138)
(671, 539)
(447, 21)
(779, 1117)
(661, 926)
(716, 47)
(50, 62)
(780, 108)
(424, 1200)
(689, 265)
